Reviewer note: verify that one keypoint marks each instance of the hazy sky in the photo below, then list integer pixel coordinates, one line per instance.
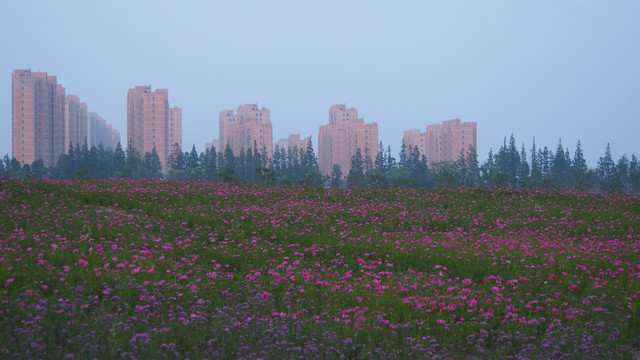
(549, 69)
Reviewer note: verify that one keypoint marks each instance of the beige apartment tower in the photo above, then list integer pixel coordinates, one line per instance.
(151, 123)
(339, 140)
(249, 128)
(44, 120)
(443, 142)
(37, 112)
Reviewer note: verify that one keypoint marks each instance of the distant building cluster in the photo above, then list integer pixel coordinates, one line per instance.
(339, 140)
(152, 123)
(249, 128)
(293, 141)
(443, 142)
(45, 120)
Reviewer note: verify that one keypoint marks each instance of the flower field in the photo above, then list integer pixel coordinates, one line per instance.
(163, 269)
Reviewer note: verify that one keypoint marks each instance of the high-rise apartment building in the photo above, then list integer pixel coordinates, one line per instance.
(175, 126)
(36, 117)
(339, 140)
(443, 142)
(101, 133)
(44, 120)
(149, 122)
(294, 140)
(249, 128)
(75, 122)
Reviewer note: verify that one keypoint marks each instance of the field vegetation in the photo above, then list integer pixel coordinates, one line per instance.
(139, 269)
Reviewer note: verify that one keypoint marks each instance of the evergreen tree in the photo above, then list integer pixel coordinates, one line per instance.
(310, 162)
(241, 166)
(229, 158)
(390, 162)
(607, 172)
(545, 157)
(380, 162)
(119, 161)
(336, 176)
(579, 169)
(134, 162)
(192, 164)
(473, 167)
(634, 174)
(622, 173)
(3, 171)
(402, 162)
(461, 169)
(507, 161)
(560, 168)
(151, 165)
(15, 169)
(177, 159)
(210, 164)
(367, 163)
(37, 169)
(356, 173)
(523, 168)
(535, 175)
(488, 170)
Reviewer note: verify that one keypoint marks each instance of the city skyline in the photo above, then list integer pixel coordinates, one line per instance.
(542, 69)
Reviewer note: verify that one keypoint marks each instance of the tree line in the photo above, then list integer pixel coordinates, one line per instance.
(541, 168)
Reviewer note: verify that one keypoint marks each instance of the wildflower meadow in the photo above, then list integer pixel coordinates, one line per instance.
(142, 269)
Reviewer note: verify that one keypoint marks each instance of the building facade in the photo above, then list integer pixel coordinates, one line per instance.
(294, 140)
(37, 112)
(101, 133)
(75, 122)
(443, 142)
(175, 126)
(151, 123)
(249, 128)
(339, 140)
(44, 120)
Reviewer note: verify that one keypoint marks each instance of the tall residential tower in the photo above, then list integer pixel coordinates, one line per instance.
(151, 123)
(249, 128)
(443, 142)
(339, 140)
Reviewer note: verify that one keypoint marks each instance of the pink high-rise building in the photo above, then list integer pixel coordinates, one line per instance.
(175, 126)
(100, 132)
(294, 140)
(44, 119)
(149, 123)
(249, 128)
(37, 112)
(339, 140)
(75, 122)
(413, 138)
(443, 142)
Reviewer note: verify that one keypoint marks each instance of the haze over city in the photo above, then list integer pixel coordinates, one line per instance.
(545, 69)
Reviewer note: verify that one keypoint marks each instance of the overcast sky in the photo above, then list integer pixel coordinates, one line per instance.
(543, 69)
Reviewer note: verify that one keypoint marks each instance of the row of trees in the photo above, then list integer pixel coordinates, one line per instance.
(507, 167)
